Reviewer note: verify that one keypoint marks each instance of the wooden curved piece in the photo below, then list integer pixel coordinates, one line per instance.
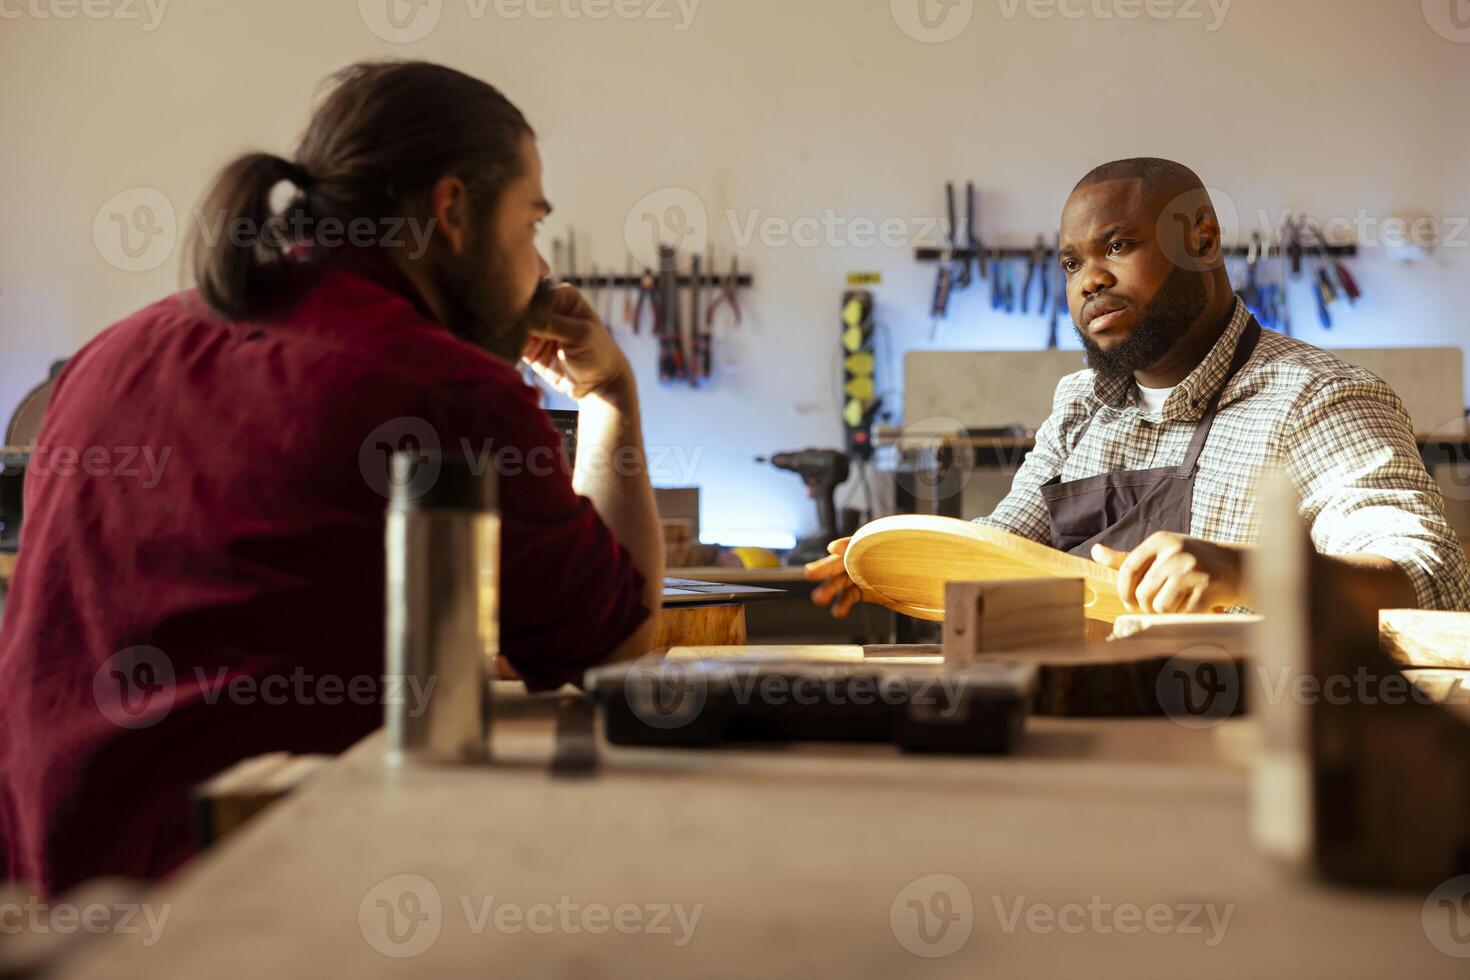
(904, 562)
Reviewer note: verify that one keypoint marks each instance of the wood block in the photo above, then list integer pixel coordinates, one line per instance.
(1137, 679)
(812, 653)
(230, 799)
(720, 624)
(990, 617)
(679, 504)
(1422, 638)
(1232, 633)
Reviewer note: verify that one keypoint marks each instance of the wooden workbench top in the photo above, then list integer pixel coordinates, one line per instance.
(802, 863)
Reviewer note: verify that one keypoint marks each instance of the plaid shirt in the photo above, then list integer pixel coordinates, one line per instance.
(1338, 430)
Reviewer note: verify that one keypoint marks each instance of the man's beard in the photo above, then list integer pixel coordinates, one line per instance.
(479, 307)
(1180, 301)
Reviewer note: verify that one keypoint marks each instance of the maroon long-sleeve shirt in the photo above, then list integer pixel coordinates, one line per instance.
(201, 566)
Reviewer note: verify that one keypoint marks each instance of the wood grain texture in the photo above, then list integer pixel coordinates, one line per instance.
(808, 653)
(798, 857)
(1013, 614)
(722, 624)
(1122, 680)
(1232, 633)
(1421, 638)
(905, 562)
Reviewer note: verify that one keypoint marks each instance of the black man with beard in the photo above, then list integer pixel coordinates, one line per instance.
(1149, 460)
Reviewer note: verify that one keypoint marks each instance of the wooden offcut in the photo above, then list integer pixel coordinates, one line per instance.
(229, 800)
(989, 617)
(1233, 633)
(904, 563)
(718, 624)
(1421, 638)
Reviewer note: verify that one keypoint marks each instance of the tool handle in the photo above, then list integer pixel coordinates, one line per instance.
(1349, 283)
(942, 285)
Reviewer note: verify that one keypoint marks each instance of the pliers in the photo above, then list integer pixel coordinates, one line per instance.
(647, 296)
(726, 295)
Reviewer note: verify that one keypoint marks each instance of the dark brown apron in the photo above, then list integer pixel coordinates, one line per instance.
(1119, 510)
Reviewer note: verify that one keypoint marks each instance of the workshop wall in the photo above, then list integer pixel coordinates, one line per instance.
(803, 130)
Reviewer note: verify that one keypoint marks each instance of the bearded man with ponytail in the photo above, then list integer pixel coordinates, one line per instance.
(376, 290)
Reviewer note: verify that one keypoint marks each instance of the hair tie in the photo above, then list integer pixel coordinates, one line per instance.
(298, 175)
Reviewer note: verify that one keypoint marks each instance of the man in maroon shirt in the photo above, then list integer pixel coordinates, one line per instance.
(201, 571)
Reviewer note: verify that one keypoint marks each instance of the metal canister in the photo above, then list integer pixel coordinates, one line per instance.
(443, 598)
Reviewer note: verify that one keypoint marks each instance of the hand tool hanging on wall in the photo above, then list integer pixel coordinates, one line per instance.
(1283, 305)
(1343, 282)
(672, 362)
(972, 229)
(1036, 268)
(1325, 295)
(954, 267)
(647, 291)
(725, 294)
(699, 361)
(630, 312)
(1268, 299)
(962, 276)
(571, 270)
(1059, 298)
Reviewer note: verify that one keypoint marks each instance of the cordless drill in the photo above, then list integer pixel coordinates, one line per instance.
(823, 471)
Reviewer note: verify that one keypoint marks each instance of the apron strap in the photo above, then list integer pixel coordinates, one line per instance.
(1244, 348)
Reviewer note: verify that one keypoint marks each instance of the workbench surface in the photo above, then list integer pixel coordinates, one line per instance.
(812, 861)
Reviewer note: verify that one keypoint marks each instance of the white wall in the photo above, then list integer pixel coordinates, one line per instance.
(788, 108)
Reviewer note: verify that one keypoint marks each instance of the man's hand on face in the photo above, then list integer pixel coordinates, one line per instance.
(1171, 573)
(837, 589)
(573, 352)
